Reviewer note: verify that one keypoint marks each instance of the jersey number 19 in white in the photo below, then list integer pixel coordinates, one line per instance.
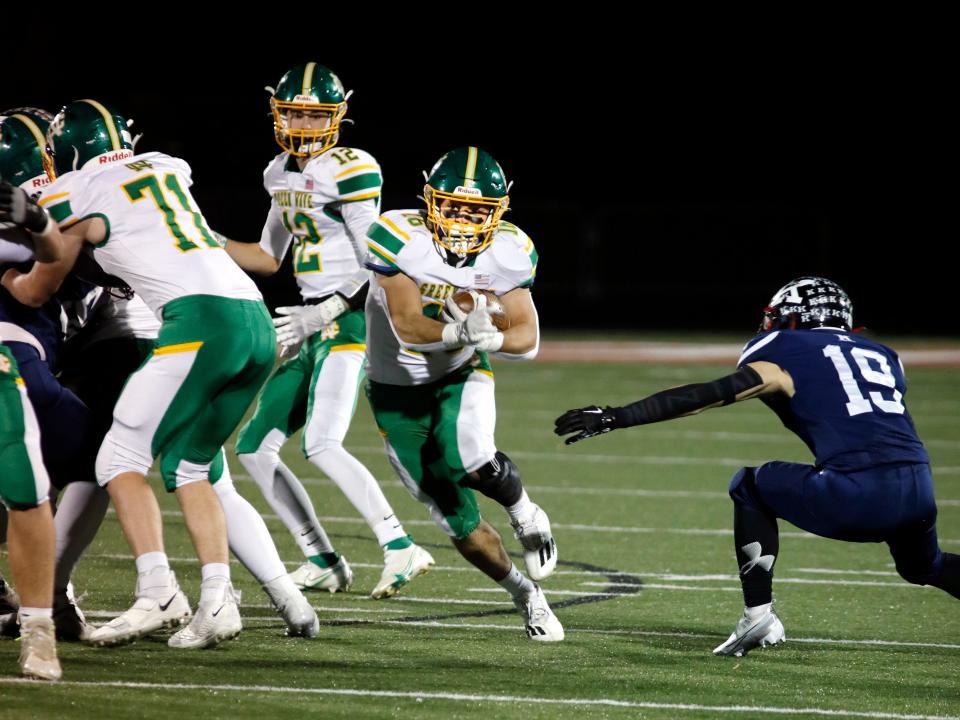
(882, 376)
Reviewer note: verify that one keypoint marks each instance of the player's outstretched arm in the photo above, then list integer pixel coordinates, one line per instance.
(250, 256)
(752, 380)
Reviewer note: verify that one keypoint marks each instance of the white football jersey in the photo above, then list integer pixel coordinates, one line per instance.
(401, 242)
(321, 210)
(157, 240)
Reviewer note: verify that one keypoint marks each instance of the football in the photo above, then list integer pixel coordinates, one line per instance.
(465, 301)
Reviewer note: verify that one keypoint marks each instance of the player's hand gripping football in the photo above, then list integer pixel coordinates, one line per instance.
(475, 329)
(585, 423)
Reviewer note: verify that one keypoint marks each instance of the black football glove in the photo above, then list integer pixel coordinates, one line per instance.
(20, 209)
(585, 423)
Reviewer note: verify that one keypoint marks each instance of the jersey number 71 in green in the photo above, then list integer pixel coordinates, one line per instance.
(148, 183)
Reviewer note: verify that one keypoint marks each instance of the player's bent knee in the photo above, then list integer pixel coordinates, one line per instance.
(115, 459)
(250, 441)
(224, 486)
(462, 527)
(260, 465)
(320, 445)
(499, 480)
(183, 472)
(918, 572)
(743, 488)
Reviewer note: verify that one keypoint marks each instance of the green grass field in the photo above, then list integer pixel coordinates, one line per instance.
(646, 588)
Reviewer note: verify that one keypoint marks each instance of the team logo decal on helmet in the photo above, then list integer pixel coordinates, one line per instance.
(466, 196)
(23, 148)
(85, 134)
(808, 302)
(308, 106)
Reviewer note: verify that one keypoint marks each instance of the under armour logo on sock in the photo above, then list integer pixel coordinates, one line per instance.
(752, 551)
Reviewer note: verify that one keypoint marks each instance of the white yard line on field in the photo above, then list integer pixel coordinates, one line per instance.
(420, 696)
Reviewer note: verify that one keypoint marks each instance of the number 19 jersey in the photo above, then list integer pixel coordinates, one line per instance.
(848, 406)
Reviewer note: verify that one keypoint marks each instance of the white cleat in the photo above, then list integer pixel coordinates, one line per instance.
(749, 634)
(293, 607)
(147, 616)
(539, 547)
(68, 618)
(38, 649)
(336, 578)
(216, 620)
(400, 567)
(539, 621)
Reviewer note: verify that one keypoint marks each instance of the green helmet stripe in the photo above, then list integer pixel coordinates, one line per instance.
(34, 129)
(471, 166)
(308, 77)
(111, 125)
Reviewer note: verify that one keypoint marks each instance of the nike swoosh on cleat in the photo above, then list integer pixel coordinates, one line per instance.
(218, 610)
(164, 606)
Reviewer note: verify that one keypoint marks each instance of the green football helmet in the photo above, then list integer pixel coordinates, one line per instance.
(466, 196)
(23, 148)
(86, 132)
(311, 95)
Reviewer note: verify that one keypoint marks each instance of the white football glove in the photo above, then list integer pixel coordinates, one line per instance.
(301, 321)
(475, 329)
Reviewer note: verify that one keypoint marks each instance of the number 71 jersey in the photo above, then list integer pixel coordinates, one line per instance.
(848, 406)
(157, 239)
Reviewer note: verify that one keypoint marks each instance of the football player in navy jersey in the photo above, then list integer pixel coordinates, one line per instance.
(842, 394)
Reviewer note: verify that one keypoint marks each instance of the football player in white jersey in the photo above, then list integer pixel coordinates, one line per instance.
(323, 199)
(430, 382)
(111, 337)
(215, 349)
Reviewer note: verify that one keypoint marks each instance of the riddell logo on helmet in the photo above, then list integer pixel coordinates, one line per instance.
(306, 99)
(467, 191)
(40, 181)
(114, 156)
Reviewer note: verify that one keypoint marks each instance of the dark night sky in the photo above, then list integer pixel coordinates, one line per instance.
(668, 180)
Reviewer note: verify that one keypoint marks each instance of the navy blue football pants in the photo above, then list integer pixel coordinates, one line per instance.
(892, 504)
(66, 440)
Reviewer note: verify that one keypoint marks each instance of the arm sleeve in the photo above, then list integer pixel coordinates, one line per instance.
(679, 401)
(358, 217)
